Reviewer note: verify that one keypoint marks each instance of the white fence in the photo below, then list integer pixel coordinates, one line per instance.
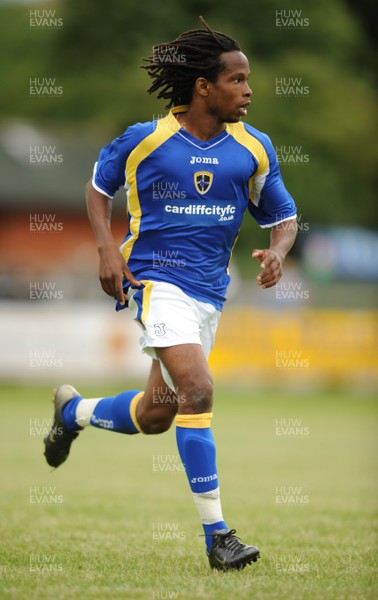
(59, 342)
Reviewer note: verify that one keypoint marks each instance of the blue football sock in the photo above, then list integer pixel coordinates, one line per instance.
(69, 414)
(116, 413)
(197, 451)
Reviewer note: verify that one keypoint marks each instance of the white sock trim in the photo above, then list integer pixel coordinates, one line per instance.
(209, 506)
(84, 411)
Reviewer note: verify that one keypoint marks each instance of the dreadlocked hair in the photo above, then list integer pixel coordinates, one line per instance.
(175, 66)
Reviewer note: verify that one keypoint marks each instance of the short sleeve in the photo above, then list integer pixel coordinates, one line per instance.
(270, 202)
(109, 171)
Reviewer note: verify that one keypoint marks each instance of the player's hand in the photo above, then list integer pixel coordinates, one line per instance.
(113, 269)
(271, 264)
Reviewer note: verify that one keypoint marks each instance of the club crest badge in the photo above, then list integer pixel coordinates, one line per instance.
(203, 181)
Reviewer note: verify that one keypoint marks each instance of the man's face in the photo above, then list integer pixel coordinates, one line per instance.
(230, 95)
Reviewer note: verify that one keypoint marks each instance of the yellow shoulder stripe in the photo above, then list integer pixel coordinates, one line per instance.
(162, 133)
(241, 135)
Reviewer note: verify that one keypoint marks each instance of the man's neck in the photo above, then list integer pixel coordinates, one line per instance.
(200, 124)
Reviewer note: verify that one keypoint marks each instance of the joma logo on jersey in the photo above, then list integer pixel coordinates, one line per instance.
(206, 160)
(203, 181)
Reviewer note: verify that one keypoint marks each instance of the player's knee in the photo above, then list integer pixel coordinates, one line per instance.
(153, 424)
(156, 427)
(197, 397)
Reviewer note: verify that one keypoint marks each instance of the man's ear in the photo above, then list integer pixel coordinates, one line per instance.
(202, 86)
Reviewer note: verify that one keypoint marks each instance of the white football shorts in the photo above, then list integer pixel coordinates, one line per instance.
(170, 317)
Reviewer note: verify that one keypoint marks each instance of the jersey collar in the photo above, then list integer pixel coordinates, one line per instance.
(171, 119)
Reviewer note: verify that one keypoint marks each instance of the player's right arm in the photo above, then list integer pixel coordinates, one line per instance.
(113, 267)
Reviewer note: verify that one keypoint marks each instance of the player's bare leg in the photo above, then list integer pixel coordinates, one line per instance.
(189, 371)
(152, 412)
(72, 413)
(158, 406)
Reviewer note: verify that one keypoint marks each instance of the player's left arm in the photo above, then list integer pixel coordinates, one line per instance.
(282, 238)
(273, 207)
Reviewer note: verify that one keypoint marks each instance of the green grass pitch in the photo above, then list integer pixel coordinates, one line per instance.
(118, 521)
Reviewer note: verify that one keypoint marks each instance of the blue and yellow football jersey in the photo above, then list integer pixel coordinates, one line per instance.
(186, 199)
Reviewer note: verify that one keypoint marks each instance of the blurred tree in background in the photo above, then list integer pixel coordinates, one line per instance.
(96, 57)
